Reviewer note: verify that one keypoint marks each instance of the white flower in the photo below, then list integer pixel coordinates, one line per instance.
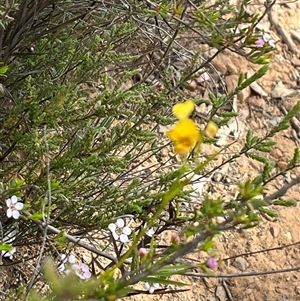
(64, 260)
(151, 287)
(13, 207)
(150, 232)
(119, 231)
(267, 38)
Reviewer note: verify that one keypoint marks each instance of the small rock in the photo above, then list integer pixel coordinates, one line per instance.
(288, 235)
(295, 62)
(210, 282)
(275, 231)
(296, 35)
(276, 153)
(257, 103)
(219, 65)
(221, 293)
(244, 94)
(258, 89)
(241, 264)
(297, 290)
(232, 66)
(217, 177)
(231, 82)
(281, 91)
(281, 165)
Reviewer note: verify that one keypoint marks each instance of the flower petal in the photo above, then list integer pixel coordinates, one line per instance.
(87, 275)
(112, 227)
(61, 267)
(8, 202)
(183, 110)
(266, 37)
(115, 235)
(120, 222)
(211, 129)
(14, 199)
(9, 212)
(272, 43)
(19, 206)
(72, 259)
(15, 214)
(126, 230)
(146, 286)
(123, 238)
(150, 232)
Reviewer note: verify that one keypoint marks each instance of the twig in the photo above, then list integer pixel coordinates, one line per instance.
(282, 191)
(74, 240)
(262, 251)
(272, 15)
(240, 275)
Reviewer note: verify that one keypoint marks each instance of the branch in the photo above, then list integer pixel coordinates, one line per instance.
(282, 191)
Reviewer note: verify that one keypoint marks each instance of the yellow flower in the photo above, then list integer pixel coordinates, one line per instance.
(211, 129)
(183, 110)
(185, 135)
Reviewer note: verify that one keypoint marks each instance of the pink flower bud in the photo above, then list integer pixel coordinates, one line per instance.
(142, 251)
(212, 263)
(175, 239)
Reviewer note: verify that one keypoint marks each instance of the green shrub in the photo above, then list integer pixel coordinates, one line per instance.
(85, 87)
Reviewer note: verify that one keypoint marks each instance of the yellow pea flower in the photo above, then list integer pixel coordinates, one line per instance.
(211, 129)
(185, 135)
(183, 110)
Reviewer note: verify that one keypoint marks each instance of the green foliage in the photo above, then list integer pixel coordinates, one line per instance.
(83, 92)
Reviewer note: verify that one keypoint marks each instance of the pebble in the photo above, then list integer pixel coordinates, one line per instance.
(281, 165)
(296, 35)
(275, 231)
(258, 89)
(231, 82)
(244, 94)
(288, 235)
(221, 293)
(241, 264)
(295, 62)
(256, 102)
(281, 91)
(276, 153)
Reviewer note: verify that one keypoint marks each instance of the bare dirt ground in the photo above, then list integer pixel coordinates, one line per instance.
(274, 244)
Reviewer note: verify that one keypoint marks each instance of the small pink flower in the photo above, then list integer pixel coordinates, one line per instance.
(176, 239)
(260, 43)
(82, 271)
(212, 263)
(142, 251)
(13, 207)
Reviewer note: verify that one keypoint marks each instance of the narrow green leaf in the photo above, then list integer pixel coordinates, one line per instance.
(296, 157)
(260, 73)
(268, 211)
(286, 203)
(5, 247)
(256, 203)
(164, 281)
